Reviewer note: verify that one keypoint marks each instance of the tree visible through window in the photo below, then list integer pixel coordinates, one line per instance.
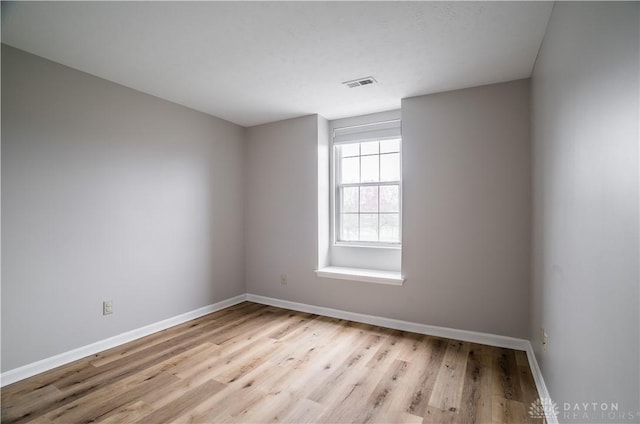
(368, 191)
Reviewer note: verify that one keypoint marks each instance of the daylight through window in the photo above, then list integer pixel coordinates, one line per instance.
(368, 191)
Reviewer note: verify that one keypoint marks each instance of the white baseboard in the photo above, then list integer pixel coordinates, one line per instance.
(450, 333)
(47, 364)
(543, 393)
(431, 330)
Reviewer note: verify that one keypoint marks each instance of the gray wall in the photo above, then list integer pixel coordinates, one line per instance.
(281, 197)
(467, 207)
(108, 193)
(466, 214)
(585, 118)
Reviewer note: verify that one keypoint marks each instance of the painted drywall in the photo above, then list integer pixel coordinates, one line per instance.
(585, 137)
(324, 191)
(466, 224)
(281, 194)
(108, 193)
(467, 207)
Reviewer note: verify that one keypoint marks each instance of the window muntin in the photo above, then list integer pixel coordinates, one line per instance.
(368, 192)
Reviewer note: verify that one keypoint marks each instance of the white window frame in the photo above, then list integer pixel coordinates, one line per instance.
(379, 131)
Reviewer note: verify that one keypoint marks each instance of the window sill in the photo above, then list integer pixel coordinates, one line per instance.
(359, 274)
(368, 246)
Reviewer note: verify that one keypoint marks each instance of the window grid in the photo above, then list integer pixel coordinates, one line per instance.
(340, 187)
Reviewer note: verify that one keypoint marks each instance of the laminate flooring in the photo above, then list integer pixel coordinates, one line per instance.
(252, 363)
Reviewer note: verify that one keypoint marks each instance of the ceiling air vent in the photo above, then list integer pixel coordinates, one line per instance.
(360, 81)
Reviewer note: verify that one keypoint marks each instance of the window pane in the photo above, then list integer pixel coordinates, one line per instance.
(370, 169)
(370, 148)
(350, 170)
(349, 227)
(369, 213)
(389, 198)
(390, 146)
(349, 150)
(390, 167)
(390, 227)
(350, 200)
(369, 199)
(369, 227)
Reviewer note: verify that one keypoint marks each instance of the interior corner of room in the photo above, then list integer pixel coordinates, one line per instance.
(127, 210)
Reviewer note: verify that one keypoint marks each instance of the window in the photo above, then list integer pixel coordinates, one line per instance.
(360, 199)
(367, 186)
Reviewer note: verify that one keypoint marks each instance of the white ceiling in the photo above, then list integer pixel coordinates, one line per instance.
(257, 62)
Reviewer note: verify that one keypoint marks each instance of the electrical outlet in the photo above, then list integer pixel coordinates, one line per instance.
(544, 338)
(283, 279)
(107, 307)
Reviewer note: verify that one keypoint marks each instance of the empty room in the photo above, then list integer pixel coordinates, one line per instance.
(320, 212)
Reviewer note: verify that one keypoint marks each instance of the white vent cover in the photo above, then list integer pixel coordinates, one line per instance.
(360, 81)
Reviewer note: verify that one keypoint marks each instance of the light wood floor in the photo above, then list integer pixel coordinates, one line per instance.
(255, 363)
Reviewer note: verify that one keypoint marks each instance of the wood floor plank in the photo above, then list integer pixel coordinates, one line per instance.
(185, 360)
(100, 403)
(135, 362)
(434, 415)
(380, 405)
(188, 401)
(304, 374)
(508, 411)
(36, 400)
(387, 353)
(256, 363)
(90, 379)
(506, 375)
(476, 401)
(527, 384)
(24, 387)
(167, 394)
(410, 346)
(447, 390)
(233, 346)
(361, 355)
(249, 361)
(406, 418)
(358, 385)
(243, 309)
(299, 321)
(356, 389)
(321, 332)
(224, 406)
(129, 413)
(305, 411)
(272, 407)
(427, 367)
